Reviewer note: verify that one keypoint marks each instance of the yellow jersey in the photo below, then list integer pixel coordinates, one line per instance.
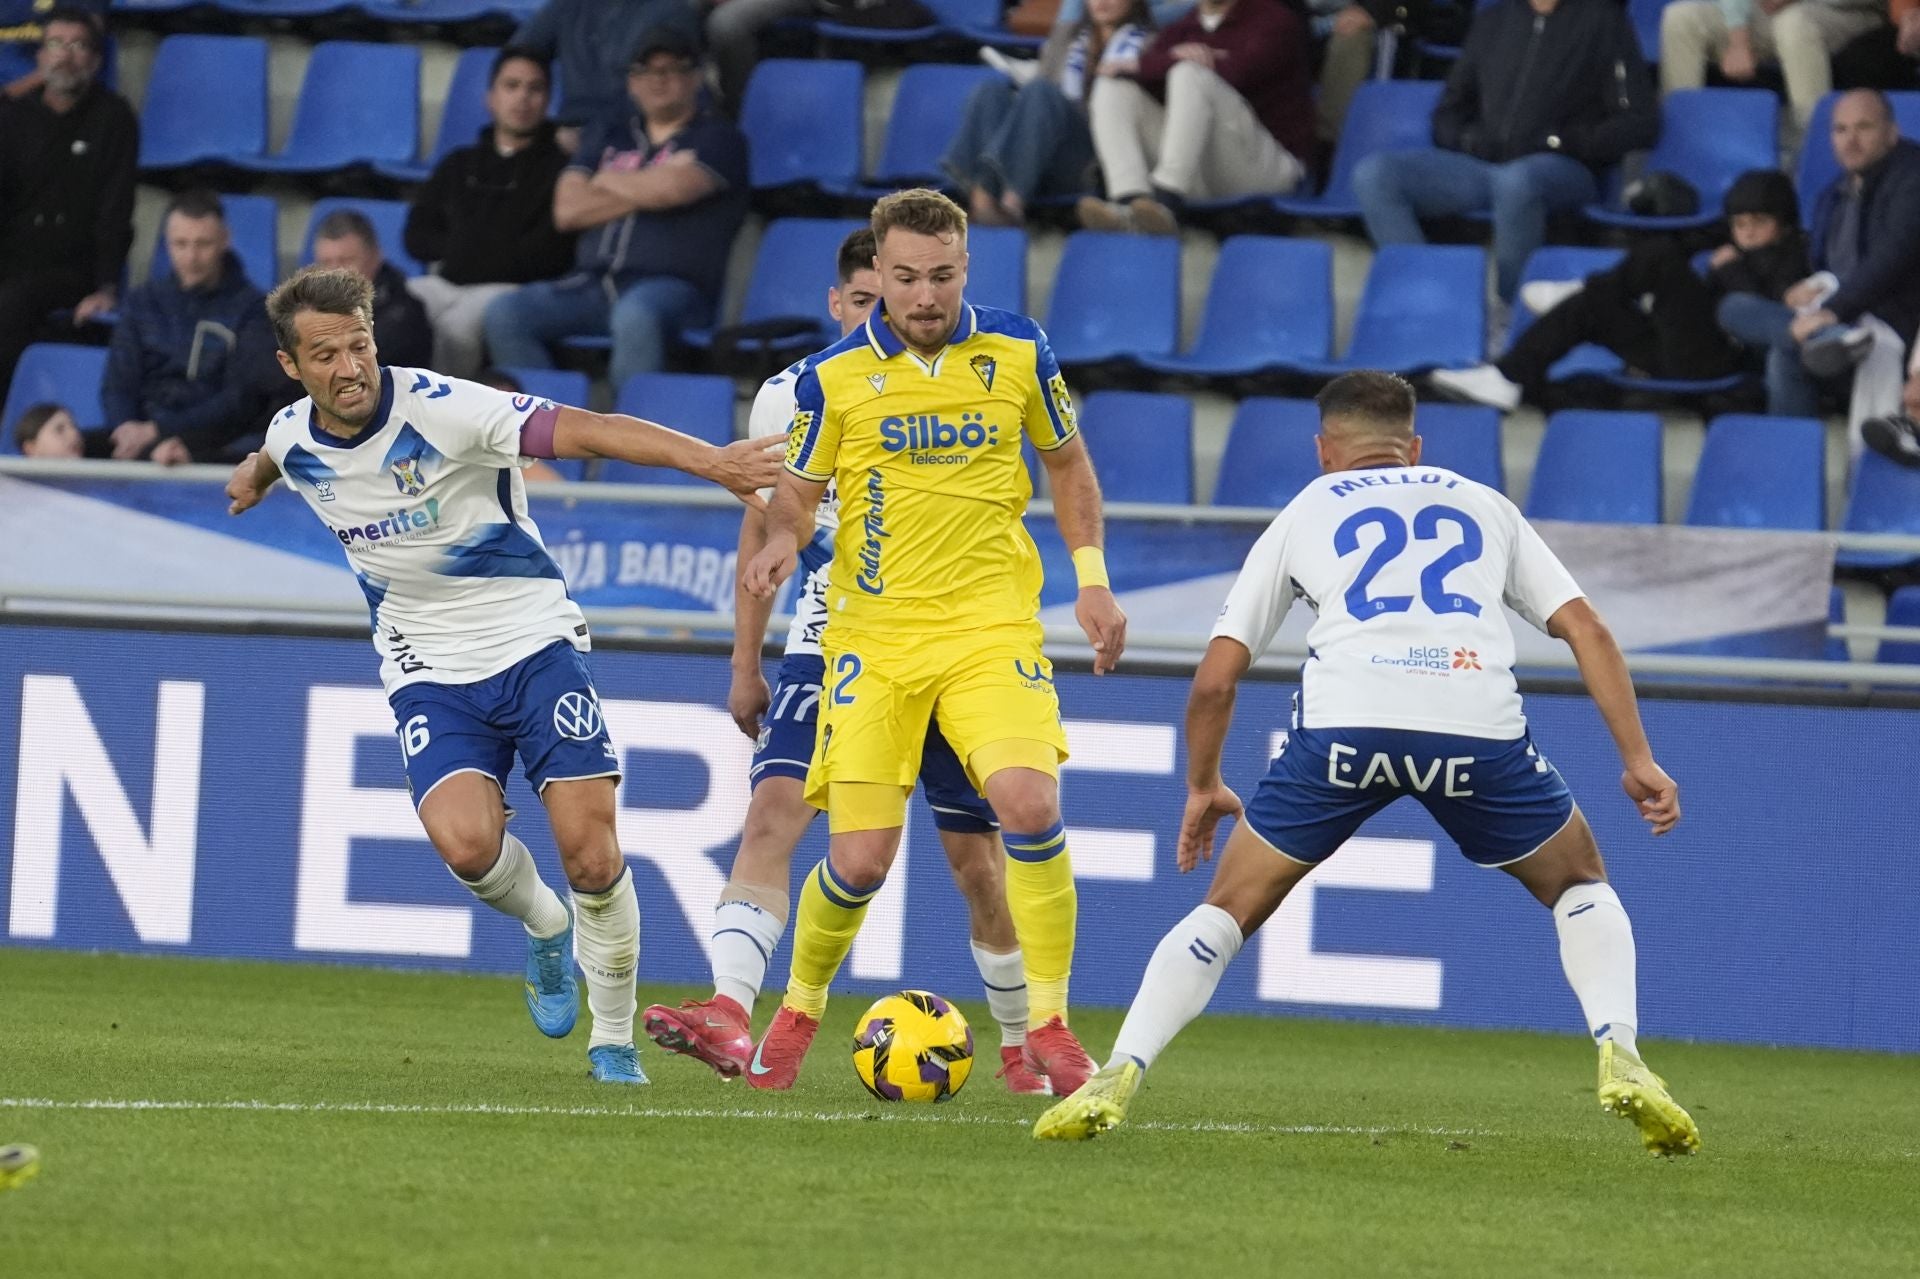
(932, 483)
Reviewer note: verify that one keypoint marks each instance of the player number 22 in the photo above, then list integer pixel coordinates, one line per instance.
(1393, 541)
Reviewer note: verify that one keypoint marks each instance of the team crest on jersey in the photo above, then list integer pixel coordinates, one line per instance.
(408, 477)
(984, 367)
(1063, 403)
(878, 381)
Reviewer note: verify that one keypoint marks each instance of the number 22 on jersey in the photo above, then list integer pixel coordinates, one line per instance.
(1427, 527)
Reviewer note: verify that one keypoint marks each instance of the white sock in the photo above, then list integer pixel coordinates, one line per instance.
(513, 887)
(1596, 949)
(1005, 977)
(606, 941)
(745, 935)
(1181, 977)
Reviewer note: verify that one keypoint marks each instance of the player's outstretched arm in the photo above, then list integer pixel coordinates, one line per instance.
(1604, 670)
(1076, 509)
(789, 519)
(742, 467)
(1209, 713)
(250, 482)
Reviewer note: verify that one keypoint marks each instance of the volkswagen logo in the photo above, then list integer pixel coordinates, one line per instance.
(577, 715)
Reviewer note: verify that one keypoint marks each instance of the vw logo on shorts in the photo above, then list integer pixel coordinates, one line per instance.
(577, 715)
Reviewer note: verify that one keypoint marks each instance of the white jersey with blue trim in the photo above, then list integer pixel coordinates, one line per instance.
(1406, 568)
(429, 507)
(772, 414)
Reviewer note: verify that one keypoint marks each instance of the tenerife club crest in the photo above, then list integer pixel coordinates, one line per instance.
(983, 367)
(408, 477)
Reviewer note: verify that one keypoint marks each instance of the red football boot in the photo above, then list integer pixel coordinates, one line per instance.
(1054, 1053)
(714, 1031)
(776, 1062)
(1013, 1069)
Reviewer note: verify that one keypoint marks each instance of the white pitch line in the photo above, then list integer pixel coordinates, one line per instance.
(701, 1112)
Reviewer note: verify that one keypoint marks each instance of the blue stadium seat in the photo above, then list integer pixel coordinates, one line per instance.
(1115, 297)
(1386, 115)
(206, 102)
(283, 9)
(360, 104)
(1884, 498)
(1817, 168)
(60, 374)
(1142, 445)
(1465, 439)
(1761, 472)
(435, 12)
(997, 267)
(1424, 307)
(792, 270)
(1709, 137)
(951, 17)
(1271, 300)
(1599, 468)
(926, 113)
(1903, 609)
(253, 223)
(562, 386)
(1269, 455)
(699, 404)
(1645, 16)
(803, 122)
(389, 218)
(461, 119)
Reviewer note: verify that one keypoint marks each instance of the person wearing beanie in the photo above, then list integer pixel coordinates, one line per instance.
(1652, 310)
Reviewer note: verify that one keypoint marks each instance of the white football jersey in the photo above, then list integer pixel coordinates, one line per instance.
(1406, 569)
(431, 512)
(772, 414)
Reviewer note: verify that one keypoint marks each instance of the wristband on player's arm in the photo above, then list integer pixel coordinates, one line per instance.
(1090, 566)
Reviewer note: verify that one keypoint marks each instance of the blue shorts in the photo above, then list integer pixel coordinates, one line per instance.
(542, 706)
(788, 731)
(1498, 800)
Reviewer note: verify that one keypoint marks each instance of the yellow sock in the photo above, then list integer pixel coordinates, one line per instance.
(824, 926)
(1045, 909)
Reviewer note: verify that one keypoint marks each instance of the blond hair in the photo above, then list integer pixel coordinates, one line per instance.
(921, 211)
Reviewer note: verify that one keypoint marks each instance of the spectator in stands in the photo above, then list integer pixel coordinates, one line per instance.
(1887, 56)
(1545, 95)
(1897, 435)
(1220, 105)
(48, 431)
(1652, 310)
(658, 197)
(345, 238)
(191, 349)
(1741, 34)
(1863, 300)
(733, 39)
(485, 214)
(1026, 136)
(1349, 34)
(67, 156)
(22, 27)
(590, 40)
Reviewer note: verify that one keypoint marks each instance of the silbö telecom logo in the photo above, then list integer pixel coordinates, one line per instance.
(930, 442)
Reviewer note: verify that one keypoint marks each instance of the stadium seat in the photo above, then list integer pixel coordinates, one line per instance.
(1645, 16)
(1250, 325)
(253, 222)
(1761, 472)
(1463, 438)
(1269, 455)
(1709, 137)
(389, 218)
(435, 12)
(804, 122)
(1884, 498)
(1386, 115)
(699, 404)
(792, 270)
(1903, 609)
(1598, 468)
(562, 386)
(1424, 307)
(359, 104)
(926, 113)
(1115, 297)
(206, 102)
(463, 115)
(1817, 168)
(1142, 445)
(284, 9)
(951, 18)
(59, 374)
(997, 267)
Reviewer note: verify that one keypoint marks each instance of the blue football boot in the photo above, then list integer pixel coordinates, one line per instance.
(553, 995)
(615, 1064)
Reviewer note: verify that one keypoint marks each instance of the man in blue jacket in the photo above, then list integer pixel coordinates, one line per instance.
(1546, 95)
(193, 348)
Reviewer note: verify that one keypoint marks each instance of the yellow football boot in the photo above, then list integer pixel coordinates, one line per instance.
(1097, 1105)
(1631, 1091)
(18, 1165)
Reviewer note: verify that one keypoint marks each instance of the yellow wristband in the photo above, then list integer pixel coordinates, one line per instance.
(1090, 566)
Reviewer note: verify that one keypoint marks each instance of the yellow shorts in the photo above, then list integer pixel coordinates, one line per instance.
(880, 692)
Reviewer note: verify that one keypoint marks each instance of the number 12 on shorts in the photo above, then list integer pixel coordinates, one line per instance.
(1393, 541)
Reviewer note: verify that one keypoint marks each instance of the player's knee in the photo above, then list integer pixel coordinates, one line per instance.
(592, 864)
(1029, 805)
(469, 848)
(859, 863)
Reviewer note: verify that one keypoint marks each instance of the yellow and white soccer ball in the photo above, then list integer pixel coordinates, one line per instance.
(913, 1046)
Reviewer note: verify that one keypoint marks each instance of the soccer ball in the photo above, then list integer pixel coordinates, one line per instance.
(913, 1046)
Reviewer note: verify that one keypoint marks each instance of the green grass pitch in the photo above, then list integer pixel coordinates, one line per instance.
(337, 1121)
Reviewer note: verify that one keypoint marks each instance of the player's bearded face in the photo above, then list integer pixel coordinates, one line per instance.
(921, 280)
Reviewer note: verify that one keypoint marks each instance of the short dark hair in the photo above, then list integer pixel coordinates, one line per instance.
(856, 253)
(197, 203)
(28, 428)
(329, 292)
(519, 53)
(342, 223)
(1368, 396)
(95, 24)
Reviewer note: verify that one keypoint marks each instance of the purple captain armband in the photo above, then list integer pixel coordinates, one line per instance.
(536, 433)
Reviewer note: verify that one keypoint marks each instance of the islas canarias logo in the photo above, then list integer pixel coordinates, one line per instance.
(1465, 659)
